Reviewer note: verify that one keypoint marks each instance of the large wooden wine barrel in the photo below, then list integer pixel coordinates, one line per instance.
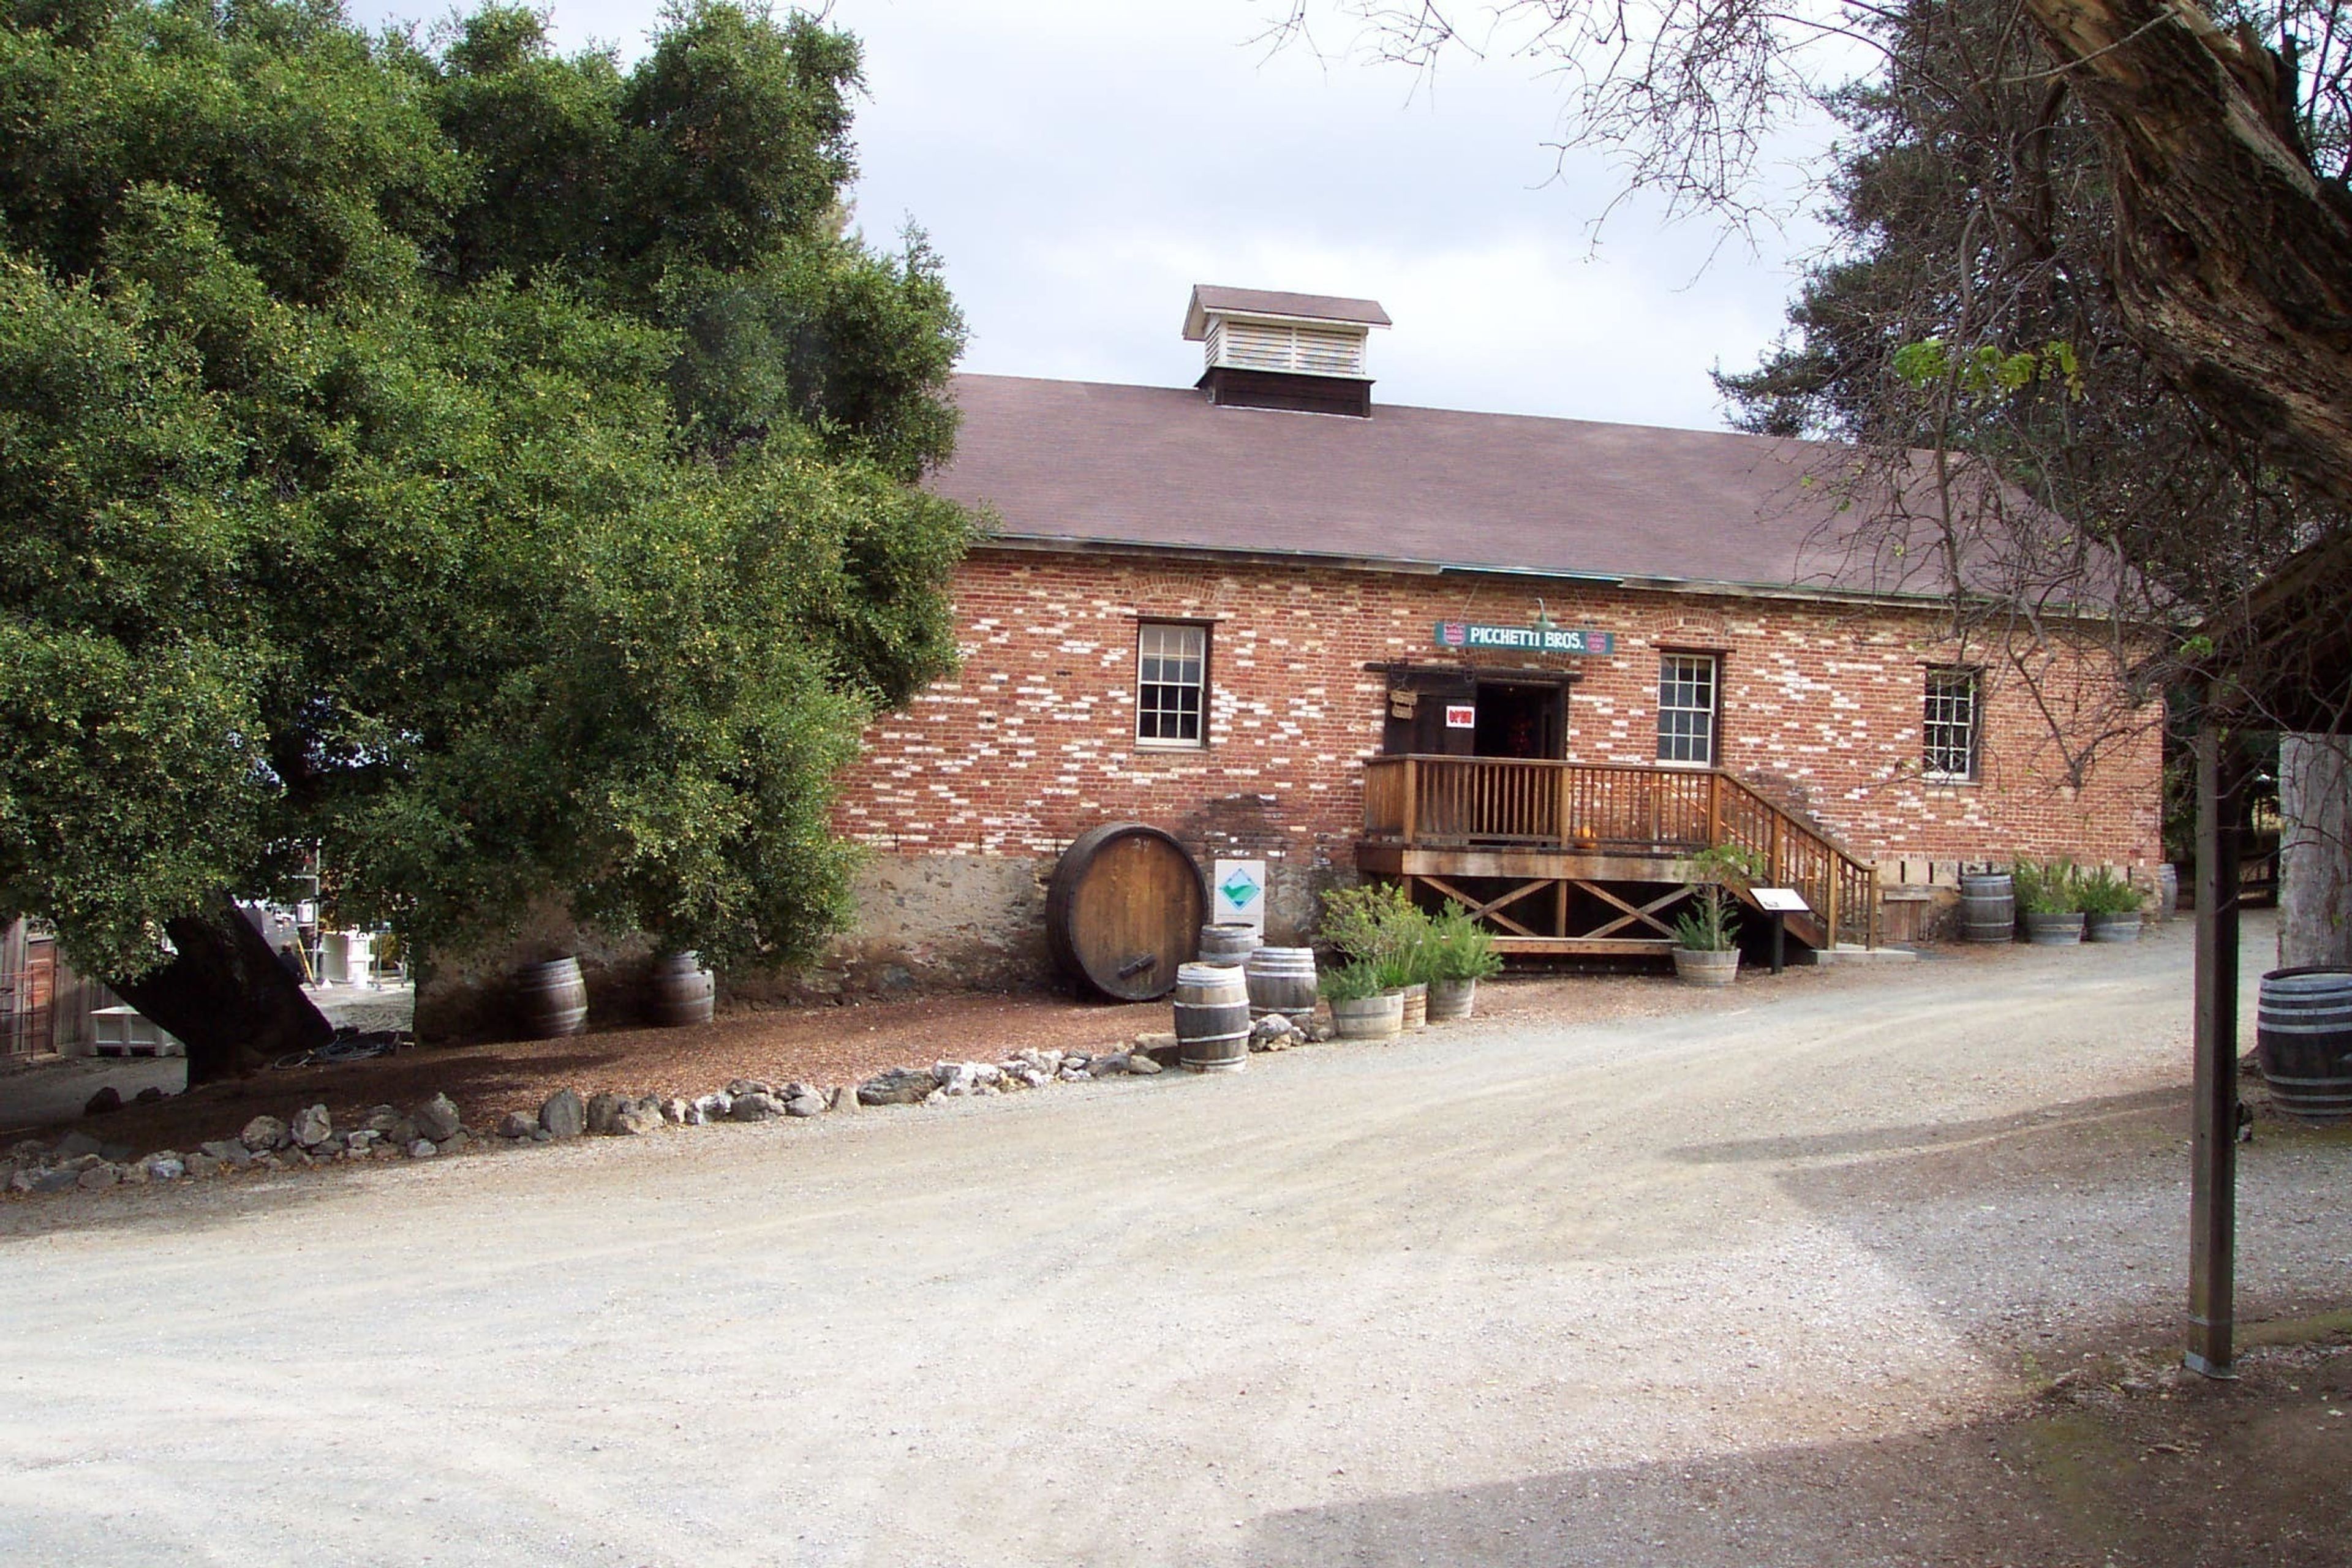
(555, 999)
(683, 991)
(1212, 1018)
(1988, 907)
(1124, 909)
(2303, 1039)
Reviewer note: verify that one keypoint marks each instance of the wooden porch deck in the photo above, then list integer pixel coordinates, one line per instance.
(1591, 858)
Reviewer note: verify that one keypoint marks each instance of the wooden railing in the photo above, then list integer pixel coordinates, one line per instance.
(1618, 809)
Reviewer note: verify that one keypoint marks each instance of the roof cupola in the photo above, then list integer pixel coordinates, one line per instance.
(1271, 349)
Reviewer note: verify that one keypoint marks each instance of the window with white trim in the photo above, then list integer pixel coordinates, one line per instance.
(1171, 685)
(1948, 749)
(1686, 706)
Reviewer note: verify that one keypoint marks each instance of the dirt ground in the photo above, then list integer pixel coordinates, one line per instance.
(1858, 1267)
(822, 1045)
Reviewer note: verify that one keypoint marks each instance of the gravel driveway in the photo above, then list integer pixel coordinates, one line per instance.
(1628, 1292)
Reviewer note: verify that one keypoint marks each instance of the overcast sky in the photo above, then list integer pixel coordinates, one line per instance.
(1081, 163)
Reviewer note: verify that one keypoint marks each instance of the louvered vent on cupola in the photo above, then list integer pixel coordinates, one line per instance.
(1268, 349)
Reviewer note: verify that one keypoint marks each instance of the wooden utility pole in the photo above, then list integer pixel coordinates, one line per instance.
(2213, 1149)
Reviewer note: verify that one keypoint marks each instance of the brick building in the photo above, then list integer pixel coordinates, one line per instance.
(1532, 660)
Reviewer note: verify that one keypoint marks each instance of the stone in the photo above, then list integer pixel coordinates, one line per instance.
(74, 1143)
(137, 1173)
(808, 1102)
(360, 1141)
(562, 1115)
(108, 1098)
(1321, 1033)
(422, 1149)
(382, 1119)
(165, 1167)
(311, 1127)
(1142, 1066)
(1160, 1041)
(635, 1120)
(898, 1086)
(51, 1181)
(1108, 1066)
(437, 1118)
(229, 1152)
(1273, 1027)
(201, 1165)
(674, 1109)
(1024, 1075)
(115, 1153)
(844, 1100)
(98, 1177)
(743, 1086)
(715, 1106)
(967, 1077)
(151, 1095)
(402, 1134)
(602, 1109)
(515, 1124)
(757, 1106)
(460, 1139)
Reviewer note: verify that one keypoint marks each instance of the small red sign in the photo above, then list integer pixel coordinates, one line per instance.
(1461, 716)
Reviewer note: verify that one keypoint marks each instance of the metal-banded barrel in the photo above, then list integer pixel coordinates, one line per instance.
(2303, 1038)
(1227, 942)
(1212, 1018)
(683, 991)
(555, 999)
(1282, 980)
(1988, 907)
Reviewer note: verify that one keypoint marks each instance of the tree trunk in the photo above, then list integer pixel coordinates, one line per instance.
(226, 996)
(2234, 263)
(2315, 850)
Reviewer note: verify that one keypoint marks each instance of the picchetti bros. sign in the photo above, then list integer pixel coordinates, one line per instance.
(1525, 639)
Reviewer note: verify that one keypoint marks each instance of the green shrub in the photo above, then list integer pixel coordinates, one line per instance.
(1463, 949)
(1710, 924)
(2103, 892)
(1356, 981)
(2047, 887)
(1377, 924)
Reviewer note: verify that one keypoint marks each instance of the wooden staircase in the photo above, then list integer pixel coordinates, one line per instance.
(1592, 859)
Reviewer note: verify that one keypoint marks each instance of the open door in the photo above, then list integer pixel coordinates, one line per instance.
(1418, 704)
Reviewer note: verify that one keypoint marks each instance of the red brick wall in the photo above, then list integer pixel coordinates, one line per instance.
(1033, 741)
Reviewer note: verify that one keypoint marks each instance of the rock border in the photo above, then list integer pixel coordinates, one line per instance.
(308, 1138)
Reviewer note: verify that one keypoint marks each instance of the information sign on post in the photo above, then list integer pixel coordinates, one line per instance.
(1780, 903)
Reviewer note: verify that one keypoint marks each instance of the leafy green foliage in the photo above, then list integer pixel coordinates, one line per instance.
(1711, 923)
(2047, 887)
(2106, 892)
(1356, 981)
(1463, 949)
(1378, 925)
(382, 470)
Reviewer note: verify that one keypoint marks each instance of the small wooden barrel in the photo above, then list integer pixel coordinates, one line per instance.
(1227, 942)
(2303, 1038)
(683, 991)
(1212, 1018)
(1988, 907)
(1282, 980)
(555, 999)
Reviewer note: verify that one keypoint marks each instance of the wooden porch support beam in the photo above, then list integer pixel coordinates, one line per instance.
(1647, 913)
(2213, 1143)
(1492, 910)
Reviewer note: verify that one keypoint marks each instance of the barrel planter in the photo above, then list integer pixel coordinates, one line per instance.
(1378, 1018)
(2168, 891)
(1227, 942)
(1416, 1007)
(2302, 1041)
(2111, 928)
(1695, 967)
(1212, 1018)
(555, 999)
(1988, 907)
(683, 991)
(2063, 928)
(1452, 998)
(1282, 980)
(1124, 909)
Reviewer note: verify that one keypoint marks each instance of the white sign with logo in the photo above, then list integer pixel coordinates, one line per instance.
(1461, 716)
(1237, 893)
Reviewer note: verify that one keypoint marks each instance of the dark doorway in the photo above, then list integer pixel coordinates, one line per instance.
(1517, 719)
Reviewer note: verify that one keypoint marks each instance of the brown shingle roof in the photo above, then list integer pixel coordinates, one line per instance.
(1083, 462)
(1208, 297)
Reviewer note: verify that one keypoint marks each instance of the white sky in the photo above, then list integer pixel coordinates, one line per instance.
(1081, 163)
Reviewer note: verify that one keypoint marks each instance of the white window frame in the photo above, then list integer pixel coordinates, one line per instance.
(1158, 644)
(1946, 684)
(1674, 667)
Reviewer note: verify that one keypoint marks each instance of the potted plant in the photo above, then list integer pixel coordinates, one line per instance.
(2110, 907)
(2049, 901)
(1377, 925)
(1362, 1008)
(1706, 935)
(1463, 955)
